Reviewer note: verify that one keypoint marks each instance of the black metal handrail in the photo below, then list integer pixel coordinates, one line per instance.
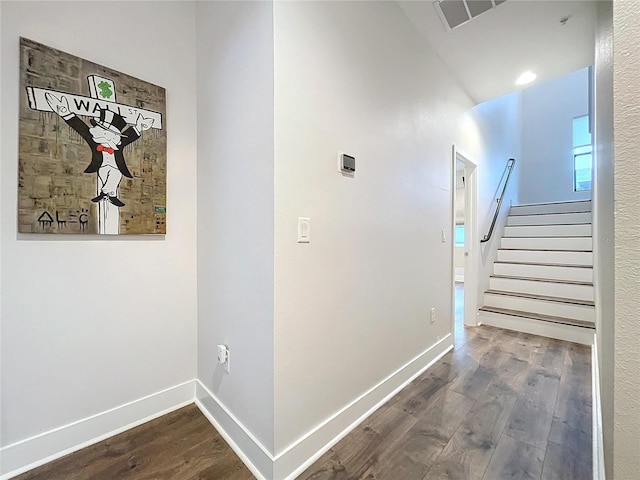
(507, 170)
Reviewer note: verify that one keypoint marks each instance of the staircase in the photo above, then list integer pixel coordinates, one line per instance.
(542, 281)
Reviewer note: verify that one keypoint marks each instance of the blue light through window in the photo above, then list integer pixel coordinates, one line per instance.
(582, 154)
(459, 236)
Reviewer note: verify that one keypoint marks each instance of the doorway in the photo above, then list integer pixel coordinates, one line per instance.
(465, 242)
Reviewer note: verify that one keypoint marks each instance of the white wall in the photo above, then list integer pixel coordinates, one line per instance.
(1, 135)
(235, 210)
(63, 358)
(548, 110)
(617, 225)
(603, 221)
(490, 134)
(626, 94)
(351, 307)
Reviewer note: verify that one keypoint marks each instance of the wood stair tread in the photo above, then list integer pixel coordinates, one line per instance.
(546, 280)
(552, 236)
(569, 265)
(544, 250)
(547, 224)
(538, 316)
(546, 298)
(550, 203)
(545, 213)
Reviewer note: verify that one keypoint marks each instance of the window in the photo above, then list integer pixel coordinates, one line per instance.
(582, 154)
(459, 240)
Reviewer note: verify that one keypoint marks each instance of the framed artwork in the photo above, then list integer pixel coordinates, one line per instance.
(92, 147)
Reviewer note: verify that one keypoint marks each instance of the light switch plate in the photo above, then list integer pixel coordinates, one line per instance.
(304, 230)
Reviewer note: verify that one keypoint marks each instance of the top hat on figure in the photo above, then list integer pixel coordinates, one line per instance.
(110, 121)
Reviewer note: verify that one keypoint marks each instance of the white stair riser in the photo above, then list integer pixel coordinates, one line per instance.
(541, 256)
(550, 219)
(548, 231)
(567, 333)
(550, 289)
(576, 274)
(551, 208)
(556, 309)
(560, 243)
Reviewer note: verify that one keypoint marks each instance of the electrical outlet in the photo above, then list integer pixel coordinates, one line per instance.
(432, 315)
(224, 357)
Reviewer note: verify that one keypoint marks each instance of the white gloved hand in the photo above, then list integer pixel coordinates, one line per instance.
(58, 105)
(142, 123)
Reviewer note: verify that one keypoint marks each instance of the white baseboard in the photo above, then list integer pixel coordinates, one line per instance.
(568, 333)
(250, 450)
(33, 452)
(302, 453)
(596, 409)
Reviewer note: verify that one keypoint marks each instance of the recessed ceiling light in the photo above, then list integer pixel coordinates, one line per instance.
(526, 77)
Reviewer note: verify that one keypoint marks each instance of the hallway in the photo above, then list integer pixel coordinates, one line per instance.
(501, 405)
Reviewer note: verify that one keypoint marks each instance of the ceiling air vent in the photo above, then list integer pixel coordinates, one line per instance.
(458, 12)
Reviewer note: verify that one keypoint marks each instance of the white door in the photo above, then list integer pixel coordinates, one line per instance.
(462, 163)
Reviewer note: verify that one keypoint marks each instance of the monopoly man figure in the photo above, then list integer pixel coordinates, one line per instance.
(106, 137)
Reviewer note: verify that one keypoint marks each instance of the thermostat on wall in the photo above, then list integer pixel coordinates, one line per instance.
(347, 163)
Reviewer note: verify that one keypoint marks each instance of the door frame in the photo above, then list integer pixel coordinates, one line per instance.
(471, 240)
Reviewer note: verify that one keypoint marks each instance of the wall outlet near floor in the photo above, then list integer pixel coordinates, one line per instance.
(224, 357)
(432, 315)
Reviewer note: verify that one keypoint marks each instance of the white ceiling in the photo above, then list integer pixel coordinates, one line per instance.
(488, 53)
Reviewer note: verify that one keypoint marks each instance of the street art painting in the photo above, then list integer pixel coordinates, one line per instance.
(92, 147)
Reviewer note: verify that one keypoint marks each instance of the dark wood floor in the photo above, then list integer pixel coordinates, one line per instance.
(179, 446)
(502, 405)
